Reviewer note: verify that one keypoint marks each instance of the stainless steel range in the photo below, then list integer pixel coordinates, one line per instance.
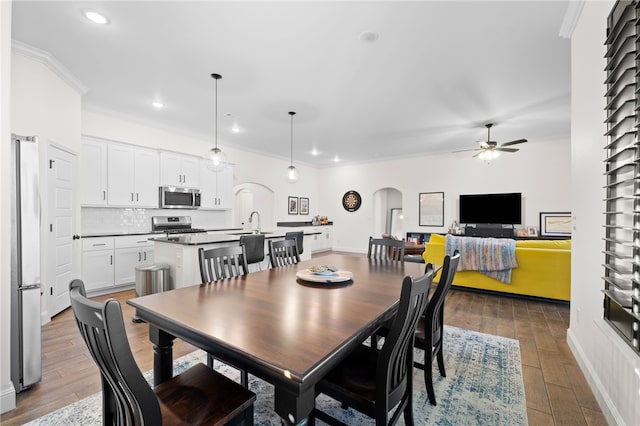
(173, 225)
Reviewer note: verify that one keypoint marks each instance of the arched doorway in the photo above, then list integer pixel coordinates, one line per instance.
(249, 197)
(387, 213)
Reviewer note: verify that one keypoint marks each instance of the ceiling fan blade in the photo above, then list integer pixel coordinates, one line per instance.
(467, 150)
(477, 154)
(514, 142)
(507, 149)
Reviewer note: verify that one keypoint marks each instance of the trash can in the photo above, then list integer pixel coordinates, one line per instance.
(152, 279)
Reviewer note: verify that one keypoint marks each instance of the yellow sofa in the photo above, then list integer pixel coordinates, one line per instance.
(544, 269)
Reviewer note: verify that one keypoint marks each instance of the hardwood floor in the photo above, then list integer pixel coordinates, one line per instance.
(556, 390)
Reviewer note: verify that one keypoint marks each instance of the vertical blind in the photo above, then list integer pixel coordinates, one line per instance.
(622, 171)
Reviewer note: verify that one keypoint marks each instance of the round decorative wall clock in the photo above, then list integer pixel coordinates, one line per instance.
(351, 201)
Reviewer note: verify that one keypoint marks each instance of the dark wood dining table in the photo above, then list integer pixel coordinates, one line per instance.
(286, 331)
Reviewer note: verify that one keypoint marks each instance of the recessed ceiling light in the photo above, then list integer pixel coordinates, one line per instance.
(157, 104)
(368, 36)
(336, 159)
(314, 152)
(235, 129)
(95, 17)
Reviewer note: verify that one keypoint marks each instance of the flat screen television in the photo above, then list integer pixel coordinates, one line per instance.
(499, 209)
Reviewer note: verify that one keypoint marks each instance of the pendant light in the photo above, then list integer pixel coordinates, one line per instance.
(217, 160)
(292, 172)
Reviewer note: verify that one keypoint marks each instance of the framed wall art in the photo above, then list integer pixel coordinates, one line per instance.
(554, 224)
(293, 205)
(431, 209)
(304, 205)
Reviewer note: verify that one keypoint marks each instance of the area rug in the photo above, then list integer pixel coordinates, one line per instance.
(483, 387)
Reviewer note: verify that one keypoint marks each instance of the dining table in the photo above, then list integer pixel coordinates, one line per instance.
(285, 325)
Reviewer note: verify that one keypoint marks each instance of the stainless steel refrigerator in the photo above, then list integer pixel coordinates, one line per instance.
(26, 340)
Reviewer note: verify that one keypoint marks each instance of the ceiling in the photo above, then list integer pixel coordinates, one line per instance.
(438, 71)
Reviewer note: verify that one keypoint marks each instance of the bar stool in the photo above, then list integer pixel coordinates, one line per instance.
(254, 248)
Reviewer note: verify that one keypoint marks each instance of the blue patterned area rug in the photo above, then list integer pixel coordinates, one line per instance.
(483, 387)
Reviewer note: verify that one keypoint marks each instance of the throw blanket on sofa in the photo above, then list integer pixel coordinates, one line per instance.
(493, 257)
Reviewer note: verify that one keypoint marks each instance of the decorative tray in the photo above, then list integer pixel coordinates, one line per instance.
(328, 276)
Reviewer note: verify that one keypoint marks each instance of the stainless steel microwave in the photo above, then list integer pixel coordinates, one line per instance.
(179, 198)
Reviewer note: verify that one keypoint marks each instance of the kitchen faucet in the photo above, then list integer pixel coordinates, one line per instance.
(250, 220)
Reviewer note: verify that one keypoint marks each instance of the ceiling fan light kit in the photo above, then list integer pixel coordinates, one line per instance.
(217, 160)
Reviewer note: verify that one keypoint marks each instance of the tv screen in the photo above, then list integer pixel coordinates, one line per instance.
(502, 209)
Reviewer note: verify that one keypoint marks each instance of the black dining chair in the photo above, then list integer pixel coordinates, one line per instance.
(194, 397)
(254, 248)
(374, 381)
(387, 249)
(221, 263)
(298, 236)
(283, 252)
(429, 332)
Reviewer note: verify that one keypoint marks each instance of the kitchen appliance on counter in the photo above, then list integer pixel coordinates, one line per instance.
(26, 340)
(173, 225)
(172, 197)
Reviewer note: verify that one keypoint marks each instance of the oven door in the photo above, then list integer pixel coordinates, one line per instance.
(179, 198)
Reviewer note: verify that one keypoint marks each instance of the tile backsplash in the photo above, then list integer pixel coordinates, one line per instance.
(111, 220)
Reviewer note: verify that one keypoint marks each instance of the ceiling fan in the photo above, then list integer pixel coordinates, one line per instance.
(490, 149)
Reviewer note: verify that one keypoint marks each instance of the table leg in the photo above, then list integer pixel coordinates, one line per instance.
(294, 409)
(162, 355)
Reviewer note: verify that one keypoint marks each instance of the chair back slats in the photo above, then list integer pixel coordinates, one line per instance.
(253, 247)
(396, 356)
(222, 262)
(123, 386)
(283, 253)
(435, 312)
(386, 249)
(298, 236)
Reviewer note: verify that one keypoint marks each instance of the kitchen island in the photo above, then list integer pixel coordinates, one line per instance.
(181, 253)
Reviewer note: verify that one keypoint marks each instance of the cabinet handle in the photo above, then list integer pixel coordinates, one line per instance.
(101, 244)
(139, 257)
(137, 196)
(111, 261)
(145, 256)
(132, 196)
(104, 195)
(184, 178)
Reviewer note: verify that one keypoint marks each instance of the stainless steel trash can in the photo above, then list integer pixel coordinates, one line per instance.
(152, 279)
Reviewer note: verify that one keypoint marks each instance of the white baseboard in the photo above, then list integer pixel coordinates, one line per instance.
(599, 392)
(7, 397)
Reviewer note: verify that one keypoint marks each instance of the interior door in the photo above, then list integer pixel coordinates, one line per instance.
(61, 222)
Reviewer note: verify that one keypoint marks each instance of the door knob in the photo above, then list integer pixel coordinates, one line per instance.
(76, 237)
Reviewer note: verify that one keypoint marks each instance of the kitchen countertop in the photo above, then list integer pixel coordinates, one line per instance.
(125, 234)
(298, 224)
(201, 239)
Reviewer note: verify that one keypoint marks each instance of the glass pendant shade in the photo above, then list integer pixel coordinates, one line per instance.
(216, 159)
(292, 174)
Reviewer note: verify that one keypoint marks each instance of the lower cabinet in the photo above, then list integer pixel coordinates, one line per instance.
(108, 262)
(324, 240)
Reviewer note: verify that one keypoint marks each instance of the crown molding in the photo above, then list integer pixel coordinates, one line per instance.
(571, 16)
(50, 62)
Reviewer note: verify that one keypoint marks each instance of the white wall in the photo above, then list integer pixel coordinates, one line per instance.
(7, 391)
(540, 171)
(610, 366)
(43, 104)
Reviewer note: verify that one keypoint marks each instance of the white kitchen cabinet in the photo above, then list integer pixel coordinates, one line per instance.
(97, 263)
(179, 170)
(130, 252)
(93, 172)
(216, 188)
(132, 176)
(324, 240)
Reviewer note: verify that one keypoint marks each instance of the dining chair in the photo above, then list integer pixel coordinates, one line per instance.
(197, 396)
(387, 249)
(374, 381)
(429, 332)
(218, 264)
(222, 262)
(254, 248)
(283, 252)
(298, 236)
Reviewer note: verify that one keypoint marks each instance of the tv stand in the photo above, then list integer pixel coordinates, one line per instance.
(488, 230)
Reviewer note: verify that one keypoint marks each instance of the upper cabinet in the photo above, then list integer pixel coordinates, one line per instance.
(178, 170)
(94, 172)
(216, 188)
(133, 176)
